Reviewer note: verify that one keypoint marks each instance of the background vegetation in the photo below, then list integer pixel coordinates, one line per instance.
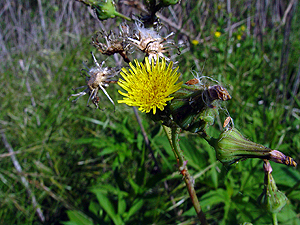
(88, 166)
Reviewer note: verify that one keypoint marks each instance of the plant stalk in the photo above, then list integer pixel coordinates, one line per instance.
(189, 180)
(275, 221)
(122, 16)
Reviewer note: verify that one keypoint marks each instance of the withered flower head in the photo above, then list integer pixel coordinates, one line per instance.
(97, 78)
(193, 107)
(109, 44)
(232, 146)
(150, 42)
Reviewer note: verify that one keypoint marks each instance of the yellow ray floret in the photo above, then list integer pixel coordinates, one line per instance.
(149, 86)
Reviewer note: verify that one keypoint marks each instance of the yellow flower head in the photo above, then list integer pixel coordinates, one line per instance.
(217, 34)
(195, 42)
(149, 86)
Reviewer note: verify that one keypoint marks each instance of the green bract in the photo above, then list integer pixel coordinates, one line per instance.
(272, 199)
(232, 146)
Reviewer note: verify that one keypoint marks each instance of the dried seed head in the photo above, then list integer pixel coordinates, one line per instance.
(279, 157)
(109, 44)
(150, 42)
(97, 78)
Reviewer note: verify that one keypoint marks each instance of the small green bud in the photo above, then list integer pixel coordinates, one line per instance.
(166, 3)
(272, 199)
(105, 9)
(232, 146)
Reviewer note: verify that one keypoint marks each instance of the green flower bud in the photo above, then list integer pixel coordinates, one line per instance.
(105, 9)
(166, 3)
(192, 107)
(232, 146)
(272, 199)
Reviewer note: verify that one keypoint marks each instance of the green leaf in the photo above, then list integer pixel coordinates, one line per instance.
(78, 218)
(288, 216)
(213, 197)
(94, 208)
(108, 207)
(137, 204)
(285, 175)
(107, 150)
(121, 204)
(134, 185)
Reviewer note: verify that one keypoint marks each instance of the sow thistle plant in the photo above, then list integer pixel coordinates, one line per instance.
(152, 84)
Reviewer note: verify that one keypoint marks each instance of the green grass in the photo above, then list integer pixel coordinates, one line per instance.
(88, 165)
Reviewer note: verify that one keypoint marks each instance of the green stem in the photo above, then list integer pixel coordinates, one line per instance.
(176, 147)
(275, 222)
(189, 180)
(122, 16)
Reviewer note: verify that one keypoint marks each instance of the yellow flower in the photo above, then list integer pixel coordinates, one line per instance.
(239, 37)
(149, 86)
(195, 42)
(217, 34)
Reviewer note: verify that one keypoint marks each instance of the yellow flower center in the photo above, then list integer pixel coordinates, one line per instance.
(149, 86)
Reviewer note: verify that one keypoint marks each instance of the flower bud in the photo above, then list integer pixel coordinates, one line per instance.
(272, 199)
(105, 9)
(169, 2)
(232, 146)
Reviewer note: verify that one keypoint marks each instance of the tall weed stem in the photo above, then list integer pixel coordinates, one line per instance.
(173, 138)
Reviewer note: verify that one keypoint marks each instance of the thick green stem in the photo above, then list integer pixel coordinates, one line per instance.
(189, 180)
(275, 222)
